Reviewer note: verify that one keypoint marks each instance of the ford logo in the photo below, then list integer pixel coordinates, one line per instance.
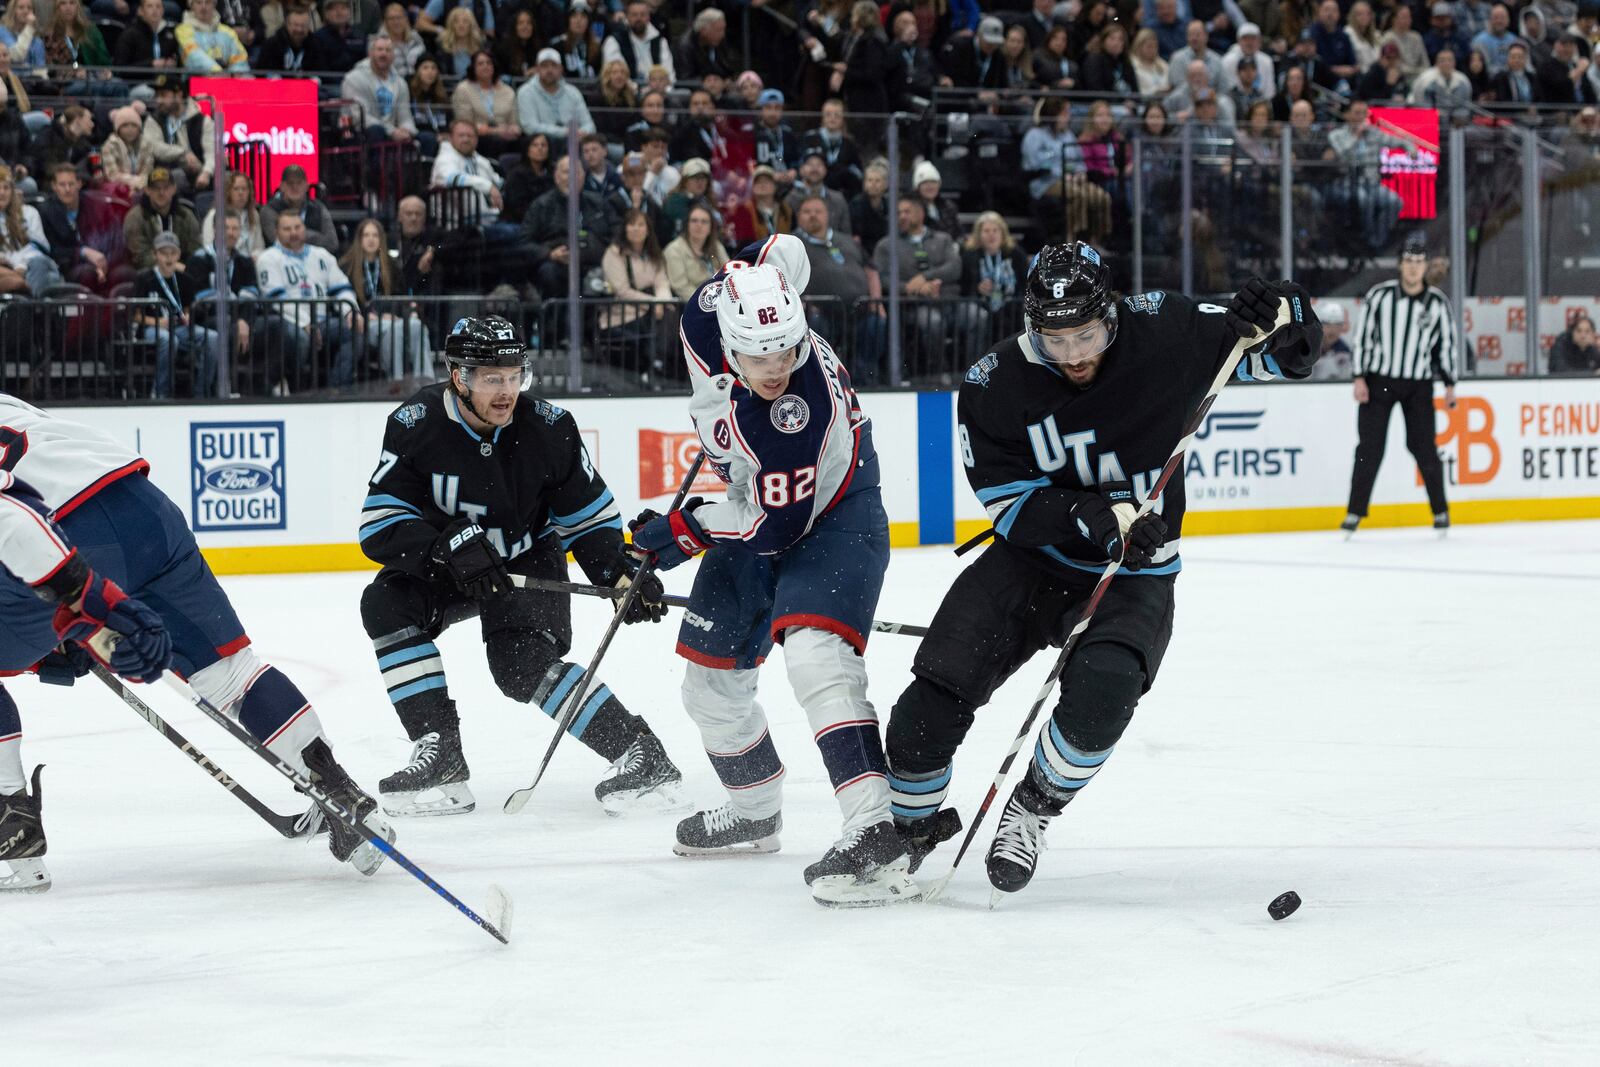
(239, 478)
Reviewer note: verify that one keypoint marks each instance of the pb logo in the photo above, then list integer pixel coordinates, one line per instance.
(1516, 319)
(236, 476)
(1475, 459)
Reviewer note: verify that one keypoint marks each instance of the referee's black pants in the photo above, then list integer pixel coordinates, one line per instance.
(1372, 428)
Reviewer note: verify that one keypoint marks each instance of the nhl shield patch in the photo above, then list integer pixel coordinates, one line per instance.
(790, 414)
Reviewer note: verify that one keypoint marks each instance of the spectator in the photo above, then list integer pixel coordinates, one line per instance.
(517, 51)
(292, 198)
(639, 44)
(70, 225)
(1535, 32)
(578, 49)
(632, 333)
(1361, 27)
(699, 138)
(838, 148)
(993, 267)
(147, 41)
(1092, 17)
(529, 179)
(1360, 194)
(1516, 84)
(812, 181)
(1444, 87)
(1108, 70)
(68, 139)
(1105, 153)
(1442, 32)
(1149, 68)
(434, 15)
(1333, 47)
(489, 106)
(861, 77)
(1478, 75)
(395, 331)
(652, 116)
(975, 62)
(617, 102)
(1255, 145)
(417, 246)
(73, 44)
(1575, 351)
(408, 43)
(694, 190)
(869, 209)
(430, 108)
(1249, 44)
(633, 196)
(158, 212)
(459, 165)
(545, 228)
(25, 263)
(1266, 15)
(1317, 72)
(1568, 77)
(1295, 89)
(1195, 49)
(747, 91)
(842, 274)
(1196, 84)
(1334, 363)
(384, 98)
(912, 73)
(19, 34)
(1164, 19)
(340, 44)
(1058, 182)
(1385, 81)
(178, 136)
(1038, 22)
(259, 334)
(660, 177)
(704, 50)
(776, 144)
(1052, 67)
(314, 296)
(763, 214)
(1250, 87)
(1495, 39)
(939, 211)
(126, 160)
(599, 176)
(1306, 143)
(241, 267)
(929, 261)
(208, 44)
(460, 40)
(1017, 60)
(546, 103)
(239, 205)
(173, 328)
(1472, 17)
(695, 254)
(1414, 56)
(292, 48)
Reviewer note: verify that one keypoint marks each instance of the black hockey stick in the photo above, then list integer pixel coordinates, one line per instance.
(580, 692)
(671, 600)
(290, 826)
(1173, 464)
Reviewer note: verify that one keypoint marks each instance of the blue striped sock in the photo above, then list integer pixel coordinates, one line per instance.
(914, 796)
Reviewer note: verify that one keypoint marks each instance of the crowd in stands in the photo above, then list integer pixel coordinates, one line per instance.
(690, 148)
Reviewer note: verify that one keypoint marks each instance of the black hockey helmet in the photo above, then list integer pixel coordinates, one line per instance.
(1069, 289)
(487, 342)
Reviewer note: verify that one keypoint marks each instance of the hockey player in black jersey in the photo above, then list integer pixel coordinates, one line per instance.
(475, 483)
(1064, 430)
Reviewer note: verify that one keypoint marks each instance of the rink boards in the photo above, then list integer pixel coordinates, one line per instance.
(279, 487)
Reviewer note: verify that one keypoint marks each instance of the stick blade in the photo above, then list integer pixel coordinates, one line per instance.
(518, 800)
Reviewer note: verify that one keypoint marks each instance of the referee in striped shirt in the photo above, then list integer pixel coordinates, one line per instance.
(1405, 339)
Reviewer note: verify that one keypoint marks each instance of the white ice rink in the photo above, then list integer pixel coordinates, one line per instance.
(1403, 730)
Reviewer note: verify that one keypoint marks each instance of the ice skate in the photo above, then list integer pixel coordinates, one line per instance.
(346, 844)
(22, 840)
(865, 868)
(433, 783)
(1014, 852)
(1351, 521)
(645, 781)
(724, 832)
(922, 836)
(1441, 524)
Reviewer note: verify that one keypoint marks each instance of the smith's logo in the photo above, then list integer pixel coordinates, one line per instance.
(1224, 421)
(237, 476)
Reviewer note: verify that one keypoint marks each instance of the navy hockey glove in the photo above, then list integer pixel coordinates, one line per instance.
(1097, 523)
(669, 539)
(471, 560)
(63, 666)
(119, 631)
(1296, 346)
(647, 605)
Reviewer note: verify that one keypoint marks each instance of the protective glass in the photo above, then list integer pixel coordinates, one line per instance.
(1075, 344)
(761, 366)
(496, 379)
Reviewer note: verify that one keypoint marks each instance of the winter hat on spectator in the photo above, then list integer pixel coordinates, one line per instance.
(159, 176)
(925, 172)
(579, 5)
(763, 171)
(122, 115)
(694, 167)
(547, 55)
(166, 239)
(1443, 10)
(991, 30)
(770, 96)
(1249, 29)
(747, 77)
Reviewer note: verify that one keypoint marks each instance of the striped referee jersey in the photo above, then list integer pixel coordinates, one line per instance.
(1400, 336)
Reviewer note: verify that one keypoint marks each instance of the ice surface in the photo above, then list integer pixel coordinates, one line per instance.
(1403, 730)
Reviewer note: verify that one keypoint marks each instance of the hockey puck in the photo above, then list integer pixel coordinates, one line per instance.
(1284, 905)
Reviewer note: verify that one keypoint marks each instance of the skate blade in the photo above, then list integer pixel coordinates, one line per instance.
(667, 798)
(759, 847)
(452, 799)
(885, 886)
(27, 876)
(367, 857)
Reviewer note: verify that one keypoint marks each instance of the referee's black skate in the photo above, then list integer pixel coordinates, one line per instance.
(865, 868)
(724, 832)
(646, 780)
(433, 783)
(1349, 525)
(1014, 852)
(1441, 522)
(346, 844)
(922, 836)
(22, 840)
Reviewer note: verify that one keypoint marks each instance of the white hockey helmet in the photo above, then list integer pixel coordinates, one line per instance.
(759, 313)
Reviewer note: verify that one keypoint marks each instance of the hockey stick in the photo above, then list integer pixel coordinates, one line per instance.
(673, 601)
(290, 826)
(580, 692)
(1173, 464)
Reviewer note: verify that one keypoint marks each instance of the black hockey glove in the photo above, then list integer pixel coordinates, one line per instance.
(471, 560)
(65, 665)
(1294, 347)
(1097, 523)
(1145, 538)
(647, 605)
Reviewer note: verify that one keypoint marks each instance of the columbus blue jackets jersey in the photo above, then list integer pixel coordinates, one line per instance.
(529, 479)
(785, 461)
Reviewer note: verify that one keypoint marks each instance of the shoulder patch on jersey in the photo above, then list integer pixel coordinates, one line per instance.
(790, 413)
(548, 411)
(722, 435)
(410, 415)
(708, 296)
(721, 471)
(1149, 303)
(978, 373)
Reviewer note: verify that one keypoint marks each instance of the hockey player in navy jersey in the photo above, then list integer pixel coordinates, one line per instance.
(795, 554)
(1064, 430)
(475, 483)
(87, 545)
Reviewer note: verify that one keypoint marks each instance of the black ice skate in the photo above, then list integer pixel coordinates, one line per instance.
(1014, 852)
(1351, 521)
(1441, 522)
(345, 843)
(22, 840)
(433, 783)
(865, 868)
(646, 780)
(724, 832)
(922, 836)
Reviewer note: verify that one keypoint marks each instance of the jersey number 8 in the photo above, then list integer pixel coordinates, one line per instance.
(779, 489)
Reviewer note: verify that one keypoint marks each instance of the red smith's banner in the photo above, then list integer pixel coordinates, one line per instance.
(1415, 174)
(279, 111)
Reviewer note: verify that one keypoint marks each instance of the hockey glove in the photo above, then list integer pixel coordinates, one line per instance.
(471, 560)
(669, 539)
(1097, 523)
(1294, 347)
(117, 630)
(1144, 539)
(647, 605)
(63, 666)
